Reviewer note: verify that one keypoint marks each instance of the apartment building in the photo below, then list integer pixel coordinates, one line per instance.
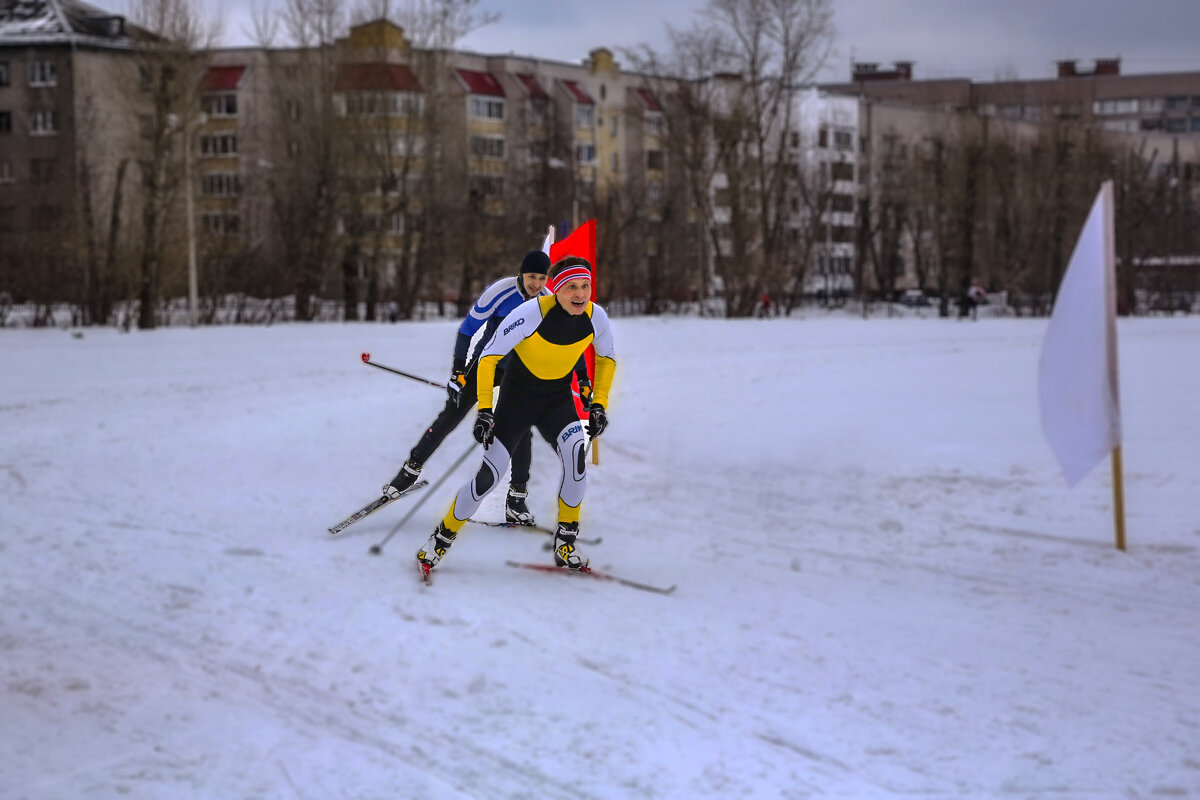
(68, 94)
(1098, 95)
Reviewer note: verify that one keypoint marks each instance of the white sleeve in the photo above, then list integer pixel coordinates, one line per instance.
(521, 322)
(603, 340)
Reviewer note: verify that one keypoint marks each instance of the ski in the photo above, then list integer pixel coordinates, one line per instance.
(426, 573)
(372, 507)
(534, 529)
(603, 576)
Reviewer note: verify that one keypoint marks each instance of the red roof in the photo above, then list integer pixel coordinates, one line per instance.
(222, 79)
(648, 99)
(480, 83)
(376, 77)
(532, 87)
(576, 91)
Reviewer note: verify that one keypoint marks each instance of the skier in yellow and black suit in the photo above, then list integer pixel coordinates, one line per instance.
(547, 335)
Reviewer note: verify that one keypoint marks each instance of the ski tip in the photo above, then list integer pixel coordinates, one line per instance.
(366, 357)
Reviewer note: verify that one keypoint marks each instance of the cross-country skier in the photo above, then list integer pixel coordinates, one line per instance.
(543, 339)
(493, 305)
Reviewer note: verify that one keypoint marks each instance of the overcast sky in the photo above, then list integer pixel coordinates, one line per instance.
(980, 39)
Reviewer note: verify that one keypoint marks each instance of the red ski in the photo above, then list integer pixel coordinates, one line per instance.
(603, 576)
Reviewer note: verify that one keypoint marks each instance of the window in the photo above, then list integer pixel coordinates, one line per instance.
(823, 138)
(654, 159)
(842, 171)
(584, 116)
(487, 146)
(293, 148)
(43, 73)
(1195, 127)
(291, 108)
(218, 223)
(613, 162)
(221, 184)
(45, 217)
(486, 108)
(5, 74)
(654, 124)
(1151, 105)
(221, 105)
(842, 202)
(612, 125)
(5, 122)
(487, 185)
(1177, 103)
(585, 152)
(654, 193)
(1176, 125)
(538, 112)
(41, 170)
(43, 122)
(843, 140)
(1119, 106)
(224, 144)
(8, 215)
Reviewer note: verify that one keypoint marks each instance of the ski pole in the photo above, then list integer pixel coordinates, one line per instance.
(366, 357)
(376, 549)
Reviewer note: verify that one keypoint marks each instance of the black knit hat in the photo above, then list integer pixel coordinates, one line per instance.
(535, 261)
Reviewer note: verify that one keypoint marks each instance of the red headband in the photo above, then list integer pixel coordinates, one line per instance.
(569, 274)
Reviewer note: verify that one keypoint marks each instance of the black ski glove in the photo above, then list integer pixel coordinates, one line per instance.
(597, 420)
(454, 387)
(484, 423)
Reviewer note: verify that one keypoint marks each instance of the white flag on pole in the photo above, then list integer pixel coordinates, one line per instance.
(1077, 376)
(549, 240)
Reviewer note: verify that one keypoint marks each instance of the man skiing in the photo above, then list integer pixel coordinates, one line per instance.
(542, 340)
(493, 305)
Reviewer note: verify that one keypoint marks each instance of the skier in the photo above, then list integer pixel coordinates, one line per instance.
(492, 306)
(543, 337)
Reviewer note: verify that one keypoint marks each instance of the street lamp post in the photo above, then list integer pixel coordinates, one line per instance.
(193, 280)
(188, 127)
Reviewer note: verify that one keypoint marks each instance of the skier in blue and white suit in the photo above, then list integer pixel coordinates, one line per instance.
(496, 302)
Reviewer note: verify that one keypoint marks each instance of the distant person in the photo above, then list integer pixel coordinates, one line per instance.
(544, 337)
(765, 303)
(492, 306)
(976, 297)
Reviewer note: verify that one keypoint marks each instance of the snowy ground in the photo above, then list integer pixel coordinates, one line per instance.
(885, 587)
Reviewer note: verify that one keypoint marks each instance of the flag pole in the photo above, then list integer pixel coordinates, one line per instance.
(1118, 497)
(1110, 282)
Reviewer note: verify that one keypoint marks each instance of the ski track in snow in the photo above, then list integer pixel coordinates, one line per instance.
(884, 587)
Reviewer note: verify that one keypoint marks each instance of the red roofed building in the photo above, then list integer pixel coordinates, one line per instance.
(531, 87)
(481, 83)
(578, 93)
(222, 79)
(648, 100)
(377, 78)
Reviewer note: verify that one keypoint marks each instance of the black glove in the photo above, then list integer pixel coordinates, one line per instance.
(597, 420)
(585, 393)
(484, 423)
(454, 387)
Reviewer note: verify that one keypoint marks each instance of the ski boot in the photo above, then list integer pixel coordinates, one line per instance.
(515, 509)
(435, 548)
(565, 554)
(405, 478)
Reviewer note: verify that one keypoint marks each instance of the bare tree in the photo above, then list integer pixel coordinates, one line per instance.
(171, 68)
